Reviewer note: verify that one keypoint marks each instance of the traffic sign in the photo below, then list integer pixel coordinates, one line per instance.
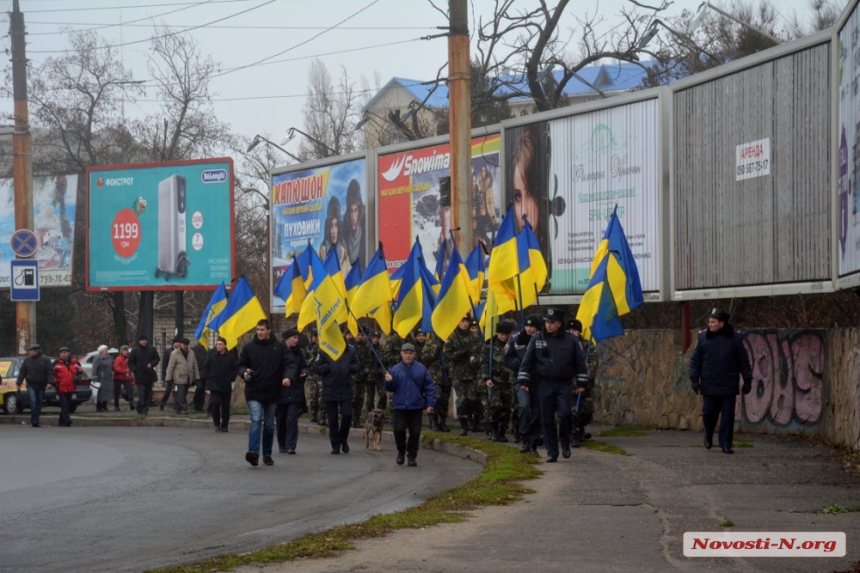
(24, 243)
(25, 279)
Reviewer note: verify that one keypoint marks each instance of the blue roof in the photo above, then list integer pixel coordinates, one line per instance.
(621, 76)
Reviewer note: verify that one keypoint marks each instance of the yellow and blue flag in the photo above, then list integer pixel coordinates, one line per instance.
(327, 302)
(307, 313)
(242, 313)
(477, 269)
(409, 306)
(504, 264)
(332, 267)
(291, 288)
(216, 304)
(529, 243)
(454, 300)
(353, 280)
(374, 290)
(614, 289)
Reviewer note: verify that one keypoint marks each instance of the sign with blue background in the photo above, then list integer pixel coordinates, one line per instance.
(25, 280)
(163, 226)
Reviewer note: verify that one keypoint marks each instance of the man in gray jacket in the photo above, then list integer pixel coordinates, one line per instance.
(38, 371)
(183, 371)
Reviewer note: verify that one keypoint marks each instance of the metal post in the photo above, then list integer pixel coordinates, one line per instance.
(179, 314)
(22, 165)
(460, 121)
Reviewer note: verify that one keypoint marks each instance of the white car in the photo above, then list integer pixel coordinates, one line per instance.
(87, 364)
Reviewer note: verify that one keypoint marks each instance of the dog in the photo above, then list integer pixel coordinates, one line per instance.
(374, 427)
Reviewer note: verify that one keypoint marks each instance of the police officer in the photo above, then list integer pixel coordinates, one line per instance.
(457, 352)
(555, 358)
(499, 380)
(717, 362)
(528, 397)
(581, 416)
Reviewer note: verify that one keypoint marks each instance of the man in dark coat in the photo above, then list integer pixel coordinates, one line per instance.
(718, 363)
(38, 371)
(337, 394)
(528, 397)
(413, 392)
(220, 369)
(142, 362)
(292, 401)
(263, 366)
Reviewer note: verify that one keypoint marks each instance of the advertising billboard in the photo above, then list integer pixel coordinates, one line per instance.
(54, 210)
(567, 175)
(848, 134)
(325, 206)
(160, 226)
(409, 205)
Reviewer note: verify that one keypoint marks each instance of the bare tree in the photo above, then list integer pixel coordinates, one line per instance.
(330, 114)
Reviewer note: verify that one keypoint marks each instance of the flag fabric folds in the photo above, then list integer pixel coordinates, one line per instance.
(504, 264)
(327, 304)
(241, 314)
(332, 267)
(410, 296)
(477, 270)
(537, 263)
(213, 309)
(440, 261)
(307, 313)
(455, 299)
(375, 288)
(614, 288)
(353, 280)
(291, 288)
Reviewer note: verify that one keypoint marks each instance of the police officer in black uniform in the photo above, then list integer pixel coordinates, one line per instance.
(555, 358)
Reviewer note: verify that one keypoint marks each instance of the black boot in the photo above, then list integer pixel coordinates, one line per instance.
(442, 426)
(500, 437)
(464, 426)
(574, 438)
(434, 426)
(517, 438)
(131, 406)
(492, 434)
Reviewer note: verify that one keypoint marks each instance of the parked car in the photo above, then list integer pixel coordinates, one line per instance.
(15, 402)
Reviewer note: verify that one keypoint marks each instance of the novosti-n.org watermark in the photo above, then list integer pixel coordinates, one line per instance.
(764, 544)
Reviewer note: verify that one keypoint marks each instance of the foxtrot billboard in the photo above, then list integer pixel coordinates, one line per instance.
(409, 200)
(162, 226)
(54, 210)
(325, 207)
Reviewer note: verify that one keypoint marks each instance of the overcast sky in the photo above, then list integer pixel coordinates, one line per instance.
(366, 36)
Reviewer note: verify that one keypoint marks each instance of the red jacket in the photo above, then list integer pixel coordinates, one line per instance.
(64, 374)
(120, 368)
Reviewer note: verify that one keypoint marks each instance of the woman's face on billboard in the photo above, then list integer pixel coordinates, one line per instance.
(525, 204)
(333, 228)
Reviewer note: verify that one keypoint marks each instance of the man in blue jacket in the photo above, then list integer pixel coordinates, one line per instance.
(718, 363)
(413, 392)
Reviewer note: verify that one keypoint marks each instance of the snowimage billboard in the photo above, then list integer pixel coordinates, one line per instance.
(54, 209)
(597, 160)
(324, 206)
(162, 226)
(409, 202)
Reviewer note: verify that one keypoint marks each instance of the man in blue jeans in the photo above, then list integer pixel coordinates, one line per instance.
(263, 365)
(38, 371)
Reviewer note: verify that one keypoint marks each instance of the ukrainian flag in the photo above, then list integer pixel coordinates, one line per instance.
(332, 267)
(327, 304)
(213, 309)
(454, 300)
(307, 313)
(291, 288)
(353, 280)
(375, 288)
(504, 263)
(614, 289)
(430, 288)
(537, 263)
(477, 270)
(440, 261)
(304, 262)
(242, 313)
(410, 297)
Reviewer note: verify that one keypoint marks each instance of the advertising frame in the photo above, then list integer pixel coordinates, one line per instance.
(370, 209)
(663, 98)
(775, 289)
(151, 165)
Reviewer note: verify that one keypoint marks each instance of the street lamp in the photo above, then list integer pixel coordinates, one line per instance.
(291, 134)
(652, 31)
(700, 16)
(259, 139)
(410, 110)
(364, 119)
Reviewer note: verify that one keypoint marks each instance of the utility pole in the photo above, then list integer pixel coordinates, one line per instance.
(460, 122)
(22, 165)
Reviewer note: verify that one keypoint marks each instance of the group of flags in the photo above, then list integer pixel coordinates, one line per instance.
(413, 296)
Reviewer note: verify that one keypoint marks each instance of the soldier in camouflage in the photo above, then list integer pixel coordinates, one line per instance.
(314, 382)
(431, 357)
(476, 420)
(362, 379)
(582, 416)
(376, 397)
(458, 351)
(499, 381)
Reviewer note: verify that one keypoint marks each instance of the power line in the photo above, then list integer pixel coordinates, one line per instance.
(126, 7)
(133, 25)
(157, 37)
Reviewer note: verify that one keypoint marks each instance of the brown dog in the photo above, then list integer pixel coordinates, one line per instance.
(374, 426)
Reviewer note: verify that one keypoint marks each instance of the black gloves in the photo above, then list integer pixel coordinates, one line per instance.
(747, 387)
(697, 385)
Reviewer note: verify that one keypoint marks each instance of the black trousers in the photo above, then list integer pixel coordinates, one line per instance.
(410, 420)
(117, 391)
(144, 395)
(287, 419)
(199, 396)
(722, 407)
(219, 404)
(168, 388)
(338, 434)
(555, 398)
(65, 402)
(529, 414)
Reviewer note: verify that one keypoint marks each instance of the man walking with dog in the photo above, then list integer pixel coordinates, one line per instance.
(413, 392)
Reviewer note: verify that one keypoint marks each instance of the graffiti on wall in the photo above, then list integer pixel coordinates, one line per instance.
(788, 373)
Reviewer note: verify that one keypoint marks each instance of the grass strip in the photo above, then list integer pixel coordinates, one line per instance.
(599, 446)
(623, 432)
(497, 484)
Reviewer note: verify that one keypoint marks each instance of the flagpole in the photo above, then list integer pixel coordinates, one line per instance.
(520, 295)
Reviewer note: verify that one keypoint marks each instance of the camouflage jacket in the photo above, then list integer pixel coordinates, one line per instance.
(462, 354)
(431, 357)
(502, 375)
(591, 362)
(391, 350)
(370, 372)
(311, 352)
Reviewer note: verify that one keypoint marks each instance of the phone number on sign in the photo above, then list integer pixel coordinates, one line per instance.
(754, 167)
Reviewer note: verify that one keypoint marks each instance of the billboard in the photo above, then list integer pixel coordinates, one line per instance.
(54, 210)
(409, 205)
(848, 134)
(325, 206)
(160, 226)
(567, 175)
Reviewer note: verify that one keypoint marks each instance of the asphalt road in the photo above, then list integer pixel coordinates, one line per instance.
(125, 499)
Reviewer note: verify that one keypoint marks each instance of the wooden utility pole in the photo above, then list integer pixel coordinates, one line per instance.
(460, 122)
(22, 165)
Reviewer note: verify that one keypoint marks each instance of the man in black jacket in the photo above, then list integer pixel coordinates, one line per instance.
(142, 362)
(38, 371)
(263, 366)
(337, 394)
(220, 369)
(527, 429)
(555, 358)
(718, 362)
(292, 400)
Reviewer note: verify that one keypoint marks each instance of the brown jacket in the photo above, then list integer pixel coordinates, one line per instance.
(182, 369)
